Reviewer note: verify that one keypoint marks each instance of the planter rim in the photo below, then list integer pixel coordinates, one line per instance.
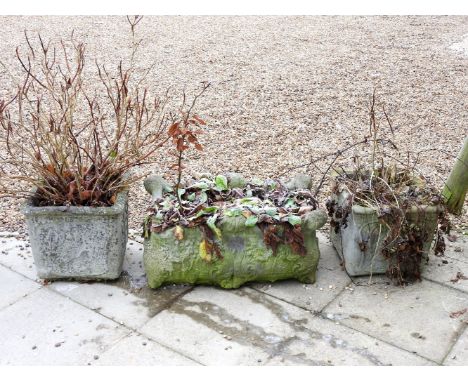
(29, 209)
(361, 210)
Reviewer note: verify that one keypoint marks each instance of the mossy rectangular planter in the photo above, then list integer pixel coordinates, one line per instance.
(359, 242)
(245, 257)
(85, 243)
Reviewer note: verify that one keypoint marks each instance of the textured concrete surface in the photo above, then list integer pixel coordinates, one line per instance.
(337, 321)
(78, 242)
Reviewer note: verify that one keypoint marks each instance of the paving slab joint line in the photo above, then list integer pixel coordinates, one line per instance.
(165, 306)
(169, 348)
(444, 285)
(150, 339)
(319, 315)
(131, 330)
(20, 298)
(454, 343)
(338, 295)
(384, 341)
(173, 300)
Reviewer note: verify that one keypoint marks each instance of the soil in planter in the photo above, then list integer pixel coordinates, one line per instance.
(276, 209)
(393, 192)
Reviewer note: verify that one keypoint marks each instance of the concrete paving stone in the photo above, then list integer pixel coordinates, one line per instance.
(324, 237)
(458, 356)
(13, 286)
(415, 318)
(16, 254)
(444, 269)
(45, 328)
(138, 350)
(127, 300)
(246, 327)
(331, 280)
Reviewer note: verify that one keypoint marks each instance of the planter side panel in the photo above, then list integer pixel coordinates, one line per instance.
(70, 245)
(362, 231)
(245, 258)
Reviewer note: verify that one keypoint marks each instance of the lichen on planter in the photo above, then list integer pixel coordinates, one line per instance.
(179, 254)
(86, 243)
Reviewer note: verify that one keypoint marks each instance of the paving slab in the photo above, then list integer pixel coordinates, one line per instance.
(127, 300)
(331, 280)
(14, 286)
(445, 269)
(16, 254)
(45, 328)
(138, 350)
(458, 356)
(415, 318)
(246, 327)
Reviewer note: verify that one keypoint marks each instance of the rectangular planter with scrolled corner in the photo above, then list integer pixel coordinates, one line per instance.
(85, 243)
(178, 255)
(358, 236)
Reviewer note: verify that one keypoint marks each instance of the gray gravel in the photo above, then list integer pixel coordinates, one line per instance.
(286, 88)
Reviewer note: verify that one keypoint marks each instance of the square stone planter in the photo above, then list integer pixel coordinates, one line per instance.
(359, 242)
(85, 243)
(245, 257)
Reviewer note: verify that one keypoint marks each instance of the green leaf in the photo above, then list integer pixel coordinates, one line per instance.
(221, 182)
(181, 191)
(272, 185)
(203, 197)
(166, 204)
(211, 222)
(249, 201)
(113, 154)
(233, 212)
(294, 220)
(191, 197)
(290, 203)
(271, 211)
(256, 182)
(251, 221)
(201, 185)
(207, 211)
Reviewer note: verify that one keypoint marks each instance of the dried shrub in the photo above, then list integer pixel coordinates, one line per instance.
(394, 190)
(75, 138)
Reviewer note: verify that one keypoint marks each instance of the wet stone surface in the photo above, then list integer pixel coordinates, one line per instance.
(127, 300)
(210, 326)
(336, 321)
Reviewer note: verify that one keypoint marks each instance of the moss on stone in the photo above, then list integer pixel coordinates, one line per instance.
(245, 256)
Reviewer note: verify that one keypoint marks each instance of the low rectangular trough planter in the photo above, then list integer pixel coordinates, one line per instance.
(245, 257)
(231, 251)
(85, 243)
(359, 242)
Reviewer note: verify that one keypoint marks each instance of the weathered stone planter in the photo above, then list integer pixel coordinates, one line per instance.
(78, 242)
(359, 243)
(245, 257)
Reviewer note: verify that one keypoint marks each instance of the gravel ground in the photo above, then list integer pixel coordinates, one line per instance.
(286, 88)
